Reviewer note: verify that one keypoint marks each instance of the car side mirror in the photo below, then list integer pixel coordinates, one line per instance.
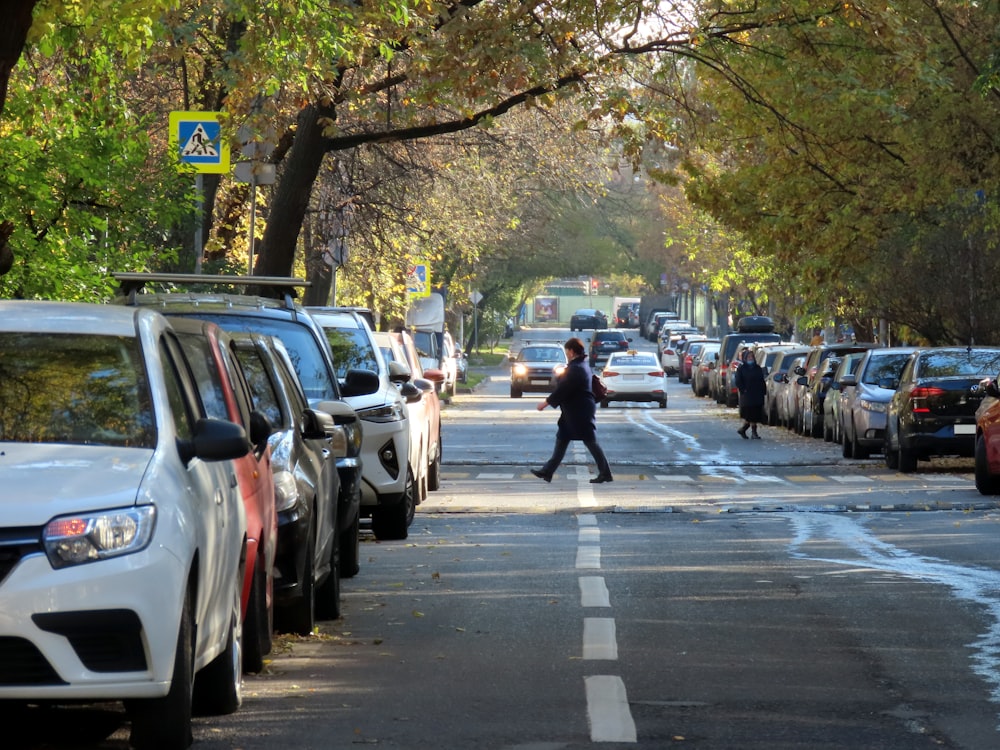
(315, 424)
(260, 429)
(410, 392)
(398, 372)
(802, 379)
(992, 389)
(360, 383)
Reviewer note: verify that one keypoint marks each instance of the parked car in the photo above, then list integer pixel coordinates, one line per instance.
(987, 449)
(627, 315)
(654, 321)
(809, 407)
(690, 354)
(122, 557)
(588, 318)
(837, 395)
(702, 367)
(388, 485)
(776, 379)
(814, 398)
(749, 329)
(536, 368)
(301, 439)
(449, 366)
(865, 400)
(336, 514)
(787, 395)
(671, 349)
(426, 412)
(933, 411)
(634, 376)
(603, 344)
(225, 394)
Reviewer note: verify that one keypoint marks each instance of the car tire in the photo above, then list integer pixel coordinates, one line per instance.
(515, 393)
(847, 446)
(299, 615)
(434, 470)
(906, 460)
(986, 483)
(165, 723)
(218, 688)
(258, 625)
(350, 550)
(328, 601)
(857, 450)
(891, 457)
(393, 522)
(663, 404)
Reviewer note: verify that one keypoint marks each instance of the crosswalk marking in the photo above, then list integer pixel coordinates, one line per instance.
(734, 478)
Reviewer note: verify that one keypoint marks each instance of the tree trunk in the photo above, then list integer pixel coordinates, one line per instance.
(276, 254)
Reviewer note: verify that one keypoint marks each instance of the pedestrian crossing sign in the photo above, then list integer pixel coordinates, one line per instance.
(418, 280)
(196, 139)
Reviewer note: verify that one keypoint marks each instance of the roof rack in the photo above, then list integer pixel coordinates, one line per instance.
(275, 287)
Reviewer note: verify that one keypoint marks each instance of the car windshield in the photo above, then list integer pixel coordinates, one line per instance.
(351, 350)
(959, 363)
(884, 366)
(73, 388)
(303, 348)
(542, 354)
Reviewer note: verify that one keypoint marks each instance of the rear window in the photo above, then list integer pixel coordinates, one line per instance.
(610, 336)
(351, 350)
(636, 360)
(954, 363)
(74, 389)
(882, 367)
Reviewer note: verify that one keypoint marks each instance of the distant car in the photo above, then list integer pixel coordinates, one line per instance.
(865, 400)
(588, 318)
(810, 393)
(703, 366)
(301, 439)
(749, 329)
(536, 368)
(691, 351)
(122, 527)
(226, 395)
(603, 344)
(933, 411)
(627, 315)
(776, 378)
(449, 366)
(634, 376)
(840, 387)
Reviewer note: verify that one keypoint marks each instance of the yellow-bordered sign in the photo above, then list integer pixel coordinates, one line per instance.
(196, 139)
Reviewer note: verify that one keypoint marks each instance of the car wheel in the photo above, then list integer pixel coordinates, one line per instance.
(218, 688)
(328, 592)
(350, 550)
(515, 393)
(663, 404)
(434, 470)
(299, 615)
(858, 450)
(891, 457)
(827, 433)
(986, 483)
(166, 722)
(259, 623)
(846, 446)
(906, 461)
(393, 521)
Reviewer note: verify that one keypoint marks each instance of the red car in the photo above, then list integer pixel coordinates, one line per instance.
(226, 395)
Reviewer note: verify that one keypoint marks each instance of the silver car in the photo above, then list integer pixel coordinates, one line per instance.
(866, 397)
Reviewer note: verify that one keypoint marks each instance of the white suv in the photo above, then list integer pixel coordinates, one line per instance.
(122, 528)
(389, 484)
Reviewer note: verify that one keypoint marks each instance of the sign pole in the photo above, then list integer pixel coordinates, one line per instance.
(199, 189)
(253, 221)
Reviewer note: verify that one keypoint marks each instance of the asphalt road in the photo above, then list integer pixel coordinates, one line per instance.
(721, 594)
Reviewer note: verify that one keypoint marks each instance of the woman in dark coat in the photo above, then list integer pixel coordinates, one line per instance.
(752, 386)
(577, 418)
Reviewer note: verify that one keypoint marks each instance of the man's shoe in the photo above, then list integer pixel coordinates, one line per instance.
(600, 479)
(542, 475)
(743, 433)
(755, 436)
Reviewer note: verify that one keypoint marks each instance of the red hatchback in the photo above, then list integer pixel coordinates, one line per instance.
(226, 395)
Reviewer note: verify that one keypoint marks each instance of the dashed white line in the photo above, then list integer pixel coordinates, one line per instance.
(599, 641)
(594, 592)
(608, 711)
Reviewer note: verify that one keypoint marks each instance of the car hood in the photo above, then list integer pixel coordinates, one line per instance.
(871, 392)
(45, 480)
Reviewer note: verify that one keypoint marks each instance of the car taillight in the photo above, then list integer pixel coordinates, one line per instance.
(655, 374)
(919, 396)
(609, 374)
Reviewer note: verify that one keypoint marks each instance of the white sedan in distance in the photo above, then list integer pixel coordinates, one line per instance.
(634, 376)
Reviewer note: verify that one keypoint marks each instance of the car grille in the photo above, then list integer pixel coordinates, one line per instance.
(21, 663)
(104, 640)
(538, 373)
(15, 544)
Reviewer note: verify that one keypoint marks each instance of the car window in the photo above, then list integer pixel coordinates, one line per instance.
(179, 406)
(541, 354)
(351, 350)
(206, 375)
(302, 346)
(958, 363)
(74, 389)
(265, 397)
(884, 366)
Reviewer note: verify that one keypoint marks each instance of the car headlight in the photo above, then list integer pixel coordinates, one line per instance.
(877, 406)
(392, 412)
(558, 370)
(286, 490)
(520, 370)
(87, 537)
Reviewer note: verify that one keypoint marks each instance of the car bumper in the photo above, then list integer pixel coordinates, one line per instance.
(942, 441)
(290, 554)
(95, 631)
(349, 499)
(645, 394)
(383, 481)
(533, 385)
(870, 429)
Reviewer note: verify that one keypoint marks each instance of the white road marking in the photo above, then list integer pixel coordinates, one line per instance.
(599, 639)
(588, 557)
(608, 711)
(589, 534)
(594, 592)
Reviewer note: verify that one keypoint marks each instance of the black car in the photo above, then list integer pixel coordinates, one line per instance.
(604, 343)
(933, 411)
(588, 318)
(335, 510)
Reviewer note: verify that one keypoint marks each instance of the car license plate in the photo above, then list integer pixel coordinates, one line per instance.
(540, 382)
(965, 429)
(631, 377)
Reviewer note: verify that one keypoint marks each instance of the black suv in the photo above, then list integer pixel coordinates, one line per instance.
(334, 512)
(604, 343)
